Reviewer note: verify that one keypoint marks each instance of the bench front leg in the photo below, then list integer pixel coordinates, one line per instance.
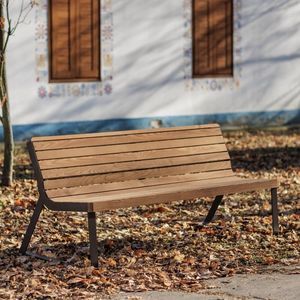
(213, 210)
(275, 222)
(30, 229)
(93, 238)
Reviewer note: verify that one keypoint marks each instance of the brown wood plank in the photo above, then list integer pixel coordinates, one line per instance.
(134, 165)
(131, 156)
(212, 38)
(65, 153)
(122, 132)
(167, 193)
(125, 139)
(187, 192)
(88, 39)
(125, 185)
(137, 174)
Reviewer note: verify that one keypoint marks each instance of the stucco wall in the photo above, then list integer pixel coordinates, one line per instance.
(146, 56)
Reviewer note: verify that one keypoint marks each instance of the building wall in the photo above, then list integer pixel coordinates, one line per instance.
(146, 71)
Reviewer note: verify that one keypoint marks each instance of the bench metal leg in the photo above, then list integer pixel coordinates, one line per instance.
(31, 226)
(275, 222)
(213, 209)
(93, 238)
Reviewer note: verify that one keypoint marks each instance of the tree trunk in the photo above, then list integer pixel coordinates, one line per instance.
(7, 175)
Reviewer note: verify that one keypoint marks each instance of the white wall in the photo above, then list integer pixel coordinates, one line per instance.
(147, 46)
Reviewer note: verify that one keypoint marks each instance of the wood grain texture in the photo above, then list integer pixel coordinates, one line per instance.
(132, 147)
(212, 38)
(167, 193)
(135, 165)
(119, 186)
(74, 40)
(130, 156)
(121, 133)
(125, 139)
(136, 174)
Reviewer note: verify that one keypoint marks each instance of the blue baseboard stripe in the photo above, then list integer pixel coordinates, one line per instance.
(231, 120)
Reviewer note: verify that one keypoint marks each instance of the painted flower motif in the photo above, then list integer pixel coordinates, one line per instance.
(107, 33)
(213, 85)
(76, 91)
(40, 31)
(41, 60)
(42, 92)
(108, 89)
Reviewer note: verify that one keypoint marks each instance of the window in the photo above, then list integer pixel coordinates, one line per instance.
(74, 40)
(212, 38)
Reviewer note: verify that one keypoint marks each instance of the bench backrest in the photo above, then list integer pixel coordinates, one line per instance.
(85, 159)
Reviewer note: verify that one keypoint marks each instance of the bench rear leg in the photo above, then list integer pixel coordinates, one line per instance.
(31, 226)
(275, 222)
(213, 209)
(93, 238)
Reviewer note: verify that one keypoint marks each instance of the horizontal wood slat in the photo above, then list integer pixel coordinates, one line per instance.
(125, 139)
(119, 186)
(120, 133)
(169, 192)
(137, 174)
(135, 165)
(130, 156)
(65, 153)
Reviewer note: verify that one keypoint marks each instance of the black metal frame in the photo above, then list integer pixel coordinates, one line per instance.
(93, 228)
(274, 203)
(93, 238)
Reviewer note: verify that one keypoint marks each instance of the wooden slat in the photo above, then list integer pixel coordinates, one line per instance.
(140, 189)
(119, 186)
(129, 175)
(134, 165)
(124, 132)
(167, 193)
(62, 37)
(65, 153)
(88, 38)
(131, 156)
(125, 139)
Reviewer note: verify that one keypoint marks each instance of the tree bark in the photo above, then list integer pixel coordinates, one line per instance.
(7, 174)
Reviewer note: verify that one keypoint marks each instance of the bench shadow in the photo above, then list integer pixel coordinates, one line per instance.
(76, 253)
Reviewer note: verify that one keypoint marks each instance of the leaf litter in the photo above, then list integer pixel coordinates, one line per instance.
(158, 247)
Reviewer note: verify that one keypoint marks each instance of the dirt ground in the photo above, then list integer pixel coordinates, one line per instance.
(158, 248)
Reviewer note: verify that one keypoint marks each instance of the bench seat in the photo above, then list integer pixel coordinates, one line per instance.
(103, 171)
(158, 190)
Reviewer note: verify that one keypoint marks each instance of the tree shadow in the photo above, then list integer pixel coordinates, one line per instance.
(265, 159)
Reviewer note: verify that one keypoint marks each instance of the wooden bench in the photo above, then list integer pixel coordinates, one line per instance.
(104, 171)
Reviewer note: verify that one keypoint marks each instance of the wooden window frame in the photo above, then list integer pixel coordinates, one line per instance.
(51, 79)
(229, 74)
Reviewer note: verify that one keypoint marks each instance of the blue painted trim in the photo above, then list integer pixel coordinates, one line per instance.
(232, 120)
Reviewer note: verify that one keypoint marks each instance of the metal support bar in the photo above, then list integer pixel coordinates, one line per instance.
(213, 209)
(93, 238)
(31, 226)
(275, 222)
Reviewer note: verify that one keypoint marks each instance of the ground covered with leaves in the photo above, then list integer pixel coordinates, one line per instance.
(156, 247)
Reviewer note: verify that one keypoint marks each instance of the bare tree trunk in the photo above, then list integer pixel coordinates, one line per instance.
(7, 175)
